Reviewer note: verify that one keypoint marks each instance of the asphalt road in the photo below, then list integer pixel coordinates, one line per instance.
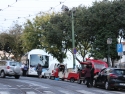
(33, 85)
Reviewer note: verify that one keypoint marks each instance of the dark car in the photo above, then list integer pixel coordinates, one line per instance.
(110, 78)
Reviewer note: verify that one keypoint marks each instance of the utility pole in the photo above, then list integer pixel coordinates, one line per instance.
(73, 41)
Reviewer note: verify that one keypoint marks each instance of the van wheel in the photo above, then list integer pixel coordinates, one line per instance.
(72, 80)
(79, 81)
(2, 74)
(107, 86)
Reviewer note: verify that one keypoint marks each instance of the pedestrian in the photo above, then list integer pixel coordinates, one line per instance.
(39, 70)
(92, 73)
(25, 69)
(88, 75)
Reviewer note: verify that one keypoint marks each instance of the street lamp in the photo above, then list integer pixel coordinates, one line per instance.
(121, 35)
(65, 8)
(109, 41)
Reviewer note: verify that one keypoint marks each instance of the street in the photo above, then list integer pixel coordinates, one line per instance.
(33, 85)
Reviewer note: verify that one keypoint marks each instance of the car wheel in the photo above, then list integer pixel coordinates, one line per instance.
(72, 80)
(107, 86)
(79, 81)
(17, 77)
(2, 74)
(94, 83)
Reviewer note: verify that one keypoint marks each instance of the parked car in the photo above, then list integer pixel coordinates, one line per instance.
(10, 68)
(110, 78)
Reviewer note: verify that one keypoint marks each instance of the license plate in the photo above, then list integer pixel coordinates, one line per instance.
(122, 84)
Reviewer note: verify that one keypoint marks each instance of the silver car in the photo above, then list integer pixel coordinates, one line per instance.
(10, 68)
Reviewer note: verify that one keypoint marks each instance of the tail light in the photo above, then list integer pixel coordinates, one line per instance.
(8, 67)
(113, 76)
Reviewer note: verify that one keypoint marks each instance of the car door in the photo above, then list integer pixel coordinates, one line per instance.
(104, 76)
(100, 76)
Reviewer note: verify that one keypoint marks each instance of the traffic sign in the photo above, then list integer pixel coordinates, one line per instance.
(119, 47)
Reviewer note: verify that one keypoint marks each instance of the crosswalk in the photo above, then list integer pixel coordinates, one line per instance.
(68, 92)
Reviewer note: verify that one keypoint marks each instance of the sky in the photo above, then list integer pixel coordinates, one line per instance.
(17, 11)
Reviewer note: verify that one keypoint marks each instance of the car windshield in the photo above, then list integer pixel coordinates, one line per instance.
(15, 64)
(119, 72)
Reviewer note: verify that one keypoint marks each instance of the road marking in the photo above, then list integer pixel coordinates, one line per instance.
(102, 92)
(38, 85)
(48, 92)
(117, 92)
(7, 85)
(30, 92)
(65, 92)
(7, 88)
(25, 88)
(3, 92)
(85, 92)
(19, 85)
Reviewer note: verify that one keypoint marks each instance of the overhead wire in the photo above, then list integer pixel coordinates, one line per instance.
(52, 8)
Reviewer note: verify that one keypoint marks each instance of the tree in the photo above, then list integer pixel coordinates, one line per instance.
(33, 33)
(16, 47)
(105, 18)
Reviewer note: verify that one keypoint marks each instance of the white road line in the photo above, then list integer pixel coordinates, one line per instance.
(30, 92)
(103, 92)
(85, 92)
(48, 92)
(25, 88)
(33, 84)
(4, 92)
(7, 88)
(7, 85)
(65, 92)
(118, 92)
(19, 85)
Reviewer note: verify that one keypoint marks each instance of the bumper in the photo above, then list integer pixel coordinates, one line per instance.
(118, 85)
(11, 73)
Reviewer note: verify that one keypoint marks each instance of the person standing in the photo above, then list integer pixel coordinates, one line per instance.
(88, 75)
(25, 69)
(92, 74)
(39, 70)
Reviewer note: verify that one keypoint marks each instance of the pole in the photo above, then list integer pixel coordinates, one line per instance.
(109, 55)
(73, 40)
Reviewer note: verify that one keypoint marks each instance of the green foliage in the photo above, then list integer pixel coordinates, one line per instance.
(33, 34)
(92, 26)
(104, 20)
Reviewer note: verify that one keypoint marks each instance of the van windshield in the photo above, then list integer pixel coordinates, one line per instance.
(99, 66)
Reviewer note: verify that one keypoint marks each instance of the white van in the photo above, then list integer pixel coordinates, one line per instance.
(47, 74)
